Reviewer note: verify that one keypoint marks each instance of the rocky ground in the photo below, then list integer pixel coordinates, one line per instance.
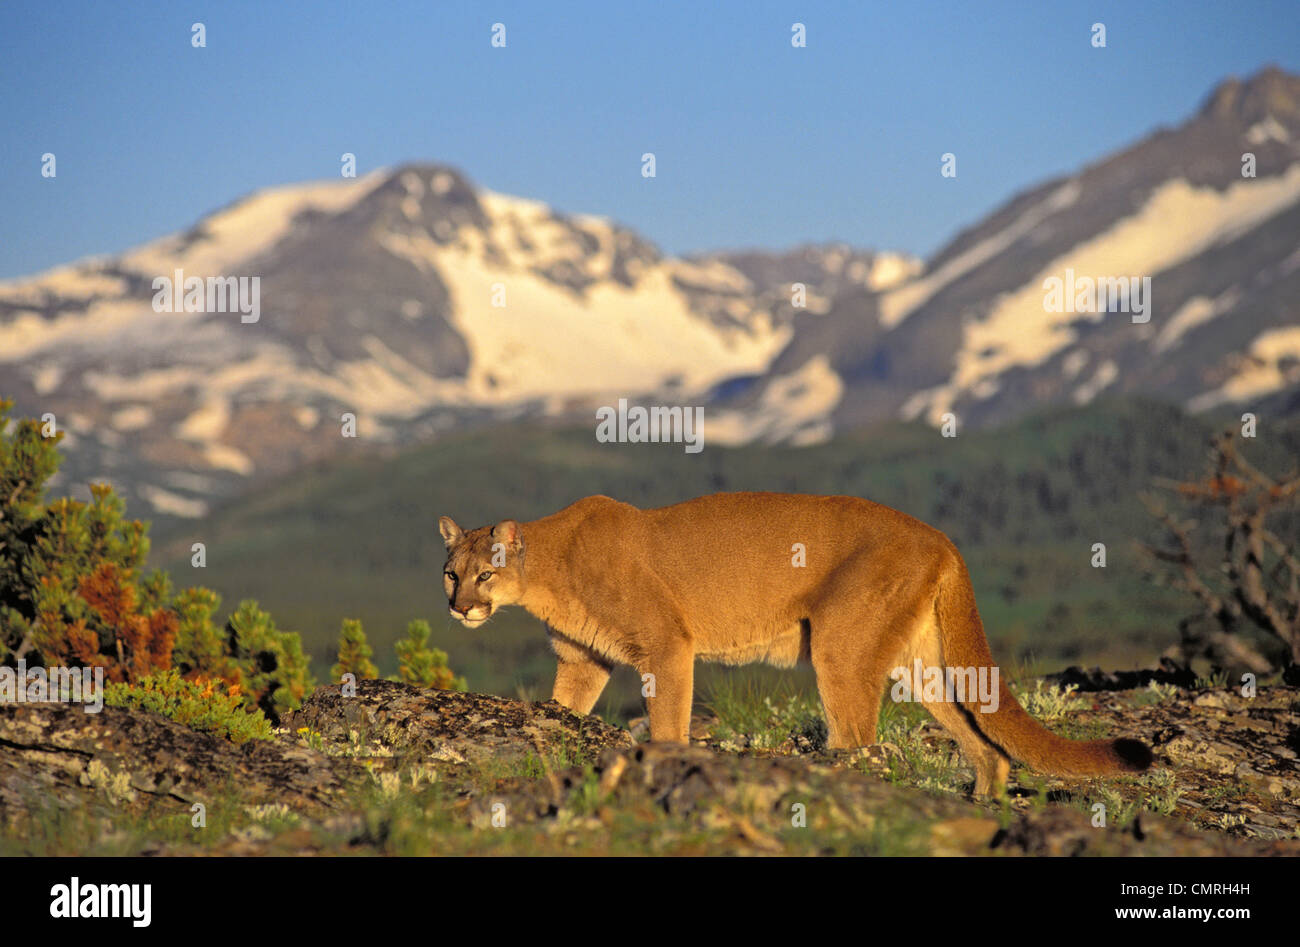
(404, 771)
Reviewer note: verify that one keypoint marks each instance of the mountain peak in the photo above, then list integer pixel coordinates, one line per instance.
(1271, 91)
(428, 169)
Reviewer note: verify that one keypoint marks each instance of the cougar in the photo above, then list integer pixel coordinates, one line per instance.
(852, 587)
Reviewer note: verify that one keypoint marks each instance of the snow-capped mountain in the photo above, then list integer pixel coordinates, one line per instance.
(975, 334)
(419, 304)
(406, 298)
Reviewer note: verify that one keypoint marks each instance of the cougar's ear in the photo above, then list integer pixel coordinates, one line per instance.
(451, 533)
(508, 532)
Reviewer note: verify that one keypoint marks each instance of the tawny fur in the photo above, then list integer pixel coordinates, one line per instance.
(715, 578)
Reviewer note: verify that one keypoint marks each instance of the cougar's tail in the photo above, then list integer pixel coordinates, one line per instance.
(1010, 727)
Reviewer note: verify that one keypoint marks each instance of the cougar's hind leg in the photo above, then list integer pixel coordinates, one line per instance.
(991, 765)
(851, 667)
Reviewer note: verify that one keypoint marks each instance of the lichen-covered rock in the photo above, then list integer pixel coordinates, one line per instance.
(449, 726)
(398, 769)
(59, 753)
(1230, 755)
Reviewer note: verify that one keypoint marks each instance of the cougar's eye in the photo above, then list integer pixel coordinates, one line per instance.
(484, 576)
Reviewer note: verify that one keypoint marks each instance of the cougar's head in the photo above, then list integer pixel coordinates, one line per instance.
(484, 569)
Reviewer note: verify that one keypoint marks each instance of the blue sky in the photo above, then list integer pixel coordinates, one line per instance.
(757, 143)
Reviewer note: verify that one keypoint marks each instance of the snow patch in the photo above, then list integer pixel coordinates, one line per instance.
(793, 408)
(1074, 363)
(1177, 222)
(902, 302)
(1195, 312)
(46, 378)
(132, 418)
(1105, 376)
(80, 280)
(207, 423)
(1271, 364)
(248, 228)
(225, 457)
(889, 270)
(173, 504)
(147, 386)
(1267, 130)
(611, 340)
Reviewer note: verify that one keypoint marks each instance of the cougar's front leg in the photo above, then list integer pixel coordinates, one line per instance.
(580, 675)
(670, 689)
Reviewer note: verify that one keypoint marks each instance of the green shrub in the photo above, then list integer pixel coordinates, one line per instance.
(421, 665)
(354, 653)
(73, 591)
(208, 705)
(200, 646)
(269, 663)
(1049, 703)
